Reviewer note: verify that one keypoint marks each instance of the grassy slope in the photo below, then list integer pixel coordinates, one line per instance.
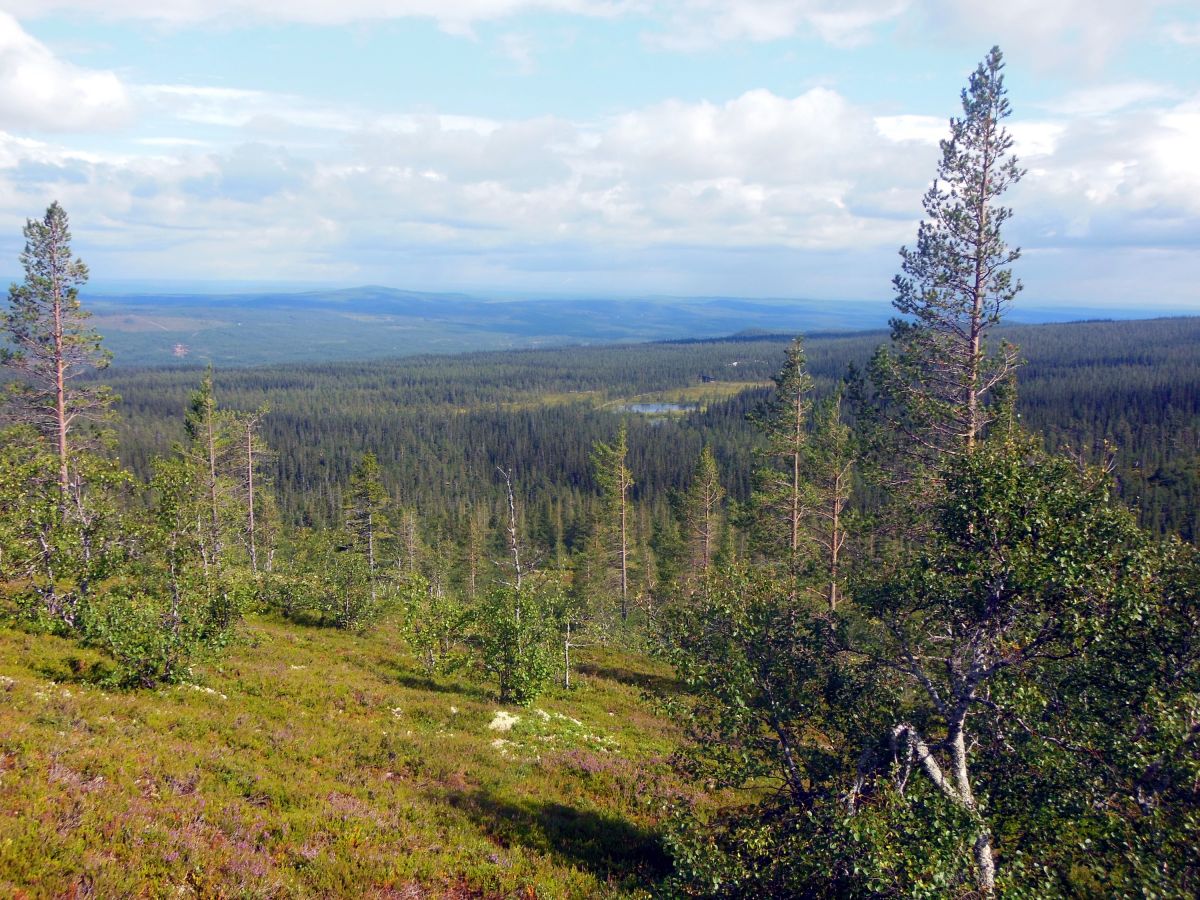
(315, 763)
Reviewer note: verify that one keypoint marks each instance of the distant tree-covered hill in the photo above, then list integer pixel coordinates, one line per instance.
(376, 322)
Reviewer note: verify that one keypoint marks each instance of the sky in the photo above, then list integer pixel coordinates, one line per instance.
(758, 148)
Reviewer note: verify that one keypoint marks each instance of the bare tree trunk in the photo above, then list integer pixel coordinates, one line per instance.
(250, 495)
(60, 380)
(567, 658)
(979, 289)
(624, 552)
(514, 545)
(985, 865)
(211, 440)
(410, 540)
(371, 552)
(797, 507)
(835, 542)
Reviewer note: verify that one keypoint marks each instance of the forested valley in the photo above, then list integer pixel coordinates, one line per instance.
(1125, 390)
(912, 613)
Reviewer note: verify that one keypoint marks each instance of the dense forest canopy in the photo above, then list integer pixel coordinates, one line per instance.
(1134, 386)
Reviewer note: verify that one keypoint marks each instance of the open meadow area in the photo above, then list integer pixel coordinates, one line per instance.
(309, 762)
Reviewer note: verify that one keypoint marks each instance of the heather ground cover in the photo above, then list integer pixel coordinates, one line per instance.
(312, 763)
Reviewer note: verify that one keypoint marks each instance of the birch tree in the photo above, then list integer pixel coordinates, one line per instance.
(1030, 562)
(516, 623)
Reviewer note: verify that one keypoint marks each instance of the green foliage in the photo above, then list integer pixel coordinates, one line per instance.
(899, 846)
(762, 663)
(777, 714)
(154, 640)
(296, 586)
(434, 624)
(1038, 629)
(778, 710)
(782, 494)
(516, 633)
(127, 581)
(343, 591)
(1038, 592)
(56, 555)
(703, 515)
(49, 341)
(957, 283)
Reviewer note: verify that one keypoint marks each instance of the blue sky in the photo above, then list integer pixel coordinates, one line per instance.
(750, 147)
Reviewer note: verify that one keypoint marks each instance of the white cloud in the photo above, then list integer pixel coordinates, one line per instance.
(1105, 99)
(1049, 33)
(694, 24)
(921, 129)
(1119, 181)
(38, 91)
(1033, 139)
(1186, 33)
(761, 170)
(701, 184)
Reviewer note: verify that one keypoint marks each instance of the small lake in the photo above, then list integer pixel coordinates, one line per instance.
(656, 409)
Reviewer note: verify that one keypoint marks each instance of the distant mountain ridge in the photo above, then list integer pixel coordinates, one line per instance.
(371, 322)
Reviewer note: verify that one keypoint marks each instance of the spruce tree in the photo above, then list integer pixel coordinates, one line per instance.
(615, 480)
(366, 519)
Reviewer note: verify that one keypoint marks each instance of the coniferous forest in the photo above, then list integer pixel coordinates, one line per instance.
(847, 614)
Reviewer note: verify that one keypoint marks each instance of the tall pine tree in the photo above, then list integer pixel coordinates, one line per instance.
(782, 497)
(51, 343)
(956, 284)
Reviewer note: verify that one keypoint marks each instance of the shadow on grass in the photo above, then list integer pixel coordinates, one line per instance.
(655, 684)
(418, 682)
(76, 669)
(608, 846)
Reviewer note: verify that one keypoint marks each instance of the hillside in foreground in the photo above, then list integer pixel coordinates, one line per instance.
(311, 762)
